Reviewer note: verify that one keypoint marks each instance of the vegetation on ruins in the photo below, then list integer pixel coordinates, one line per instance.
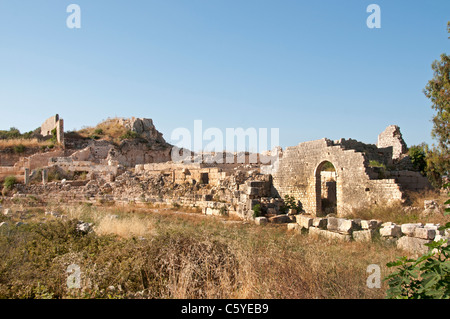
(291, 203)
(427, 277)
(9, 182)
(109, 129)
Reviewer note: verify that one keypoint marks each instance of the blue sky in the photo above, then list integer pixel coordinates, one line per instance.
(313, 69)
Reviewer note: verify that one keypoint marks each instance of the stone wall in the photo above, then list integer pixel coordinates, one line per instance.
(54, 123)
(297, 173)
(409, 237)
(392, 138)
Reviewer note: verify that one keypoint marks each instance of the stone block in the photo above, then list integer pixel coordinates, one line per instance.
(280, 219)
(333, 223)
(424, 233)
(316, 232)
(346, 226)
(253, 191)
(304, 221)
(252, 203)
(391, 231)
(292, 211)
(370, 224)
(261, 221)
(408, 229)
(363, 236)
(292, 226)
(413, 245)
(320, 222)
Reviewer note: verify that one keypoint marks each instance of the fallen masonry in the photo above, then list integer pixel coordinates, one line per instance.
(300, 186)
(409, 237)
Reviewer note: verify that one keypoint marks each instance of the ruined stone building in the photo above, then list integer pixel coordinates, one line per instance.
(323, 175)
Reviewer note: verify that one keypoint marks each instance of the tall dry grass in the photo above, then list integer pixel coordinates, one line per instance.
(183, 256)
(32, 143)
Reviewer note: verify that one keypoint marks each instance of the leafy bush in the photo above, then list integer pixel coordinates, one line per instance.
(129, 135)
(291, 203)
(256, 210)
(19, 148)
(427, 277)
(418, 157)
(9, 182)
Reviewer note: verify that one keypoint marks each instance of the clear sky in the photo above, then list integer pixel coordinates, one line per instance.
(313, 69)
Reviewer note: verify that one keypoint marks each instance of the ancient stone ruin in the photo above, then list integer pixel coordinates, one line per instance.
(323, 176)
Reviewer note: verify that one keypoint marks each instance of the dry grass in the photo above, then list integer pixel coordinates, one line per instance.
(125, 227)
(31, 143)
(186, 256)
(400, 213)
(108, 129)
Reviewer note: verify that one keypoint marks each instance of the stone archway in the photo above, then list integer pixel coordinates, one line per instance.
(326, 182)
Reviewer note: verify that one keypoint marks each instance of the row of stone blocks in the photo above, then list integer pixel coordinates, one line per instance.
(410, 237)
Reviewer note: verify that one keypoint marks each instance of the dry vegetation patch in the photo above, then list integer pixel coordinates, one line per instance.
(162, 254)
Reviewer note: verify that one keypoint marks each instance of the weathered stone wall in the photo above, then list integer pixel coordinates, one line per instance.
(297, 174)
(392, 138)
(52, 123)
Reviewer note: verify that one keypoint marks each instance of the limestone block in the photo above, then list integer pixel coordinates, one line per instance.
(304, 221)
(363, 236)
(320, 222)
(413, 245)
(408, 229)
(254, 191)
(333, 223)
(280, 219)
(261, 220)
(424, 233)
(316, 232)
(346, 226)
(292, 226)
(370, 224)
(391, 231)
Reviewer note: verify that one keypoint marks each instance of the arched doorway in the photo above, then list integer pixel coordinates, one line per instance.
(326, 189)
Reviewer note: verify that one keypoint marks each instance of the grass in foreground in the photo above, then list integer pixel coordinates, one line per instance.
(166, 254)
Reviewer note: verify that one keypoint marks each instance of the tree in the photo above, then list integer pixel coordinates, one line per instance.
(438, 91)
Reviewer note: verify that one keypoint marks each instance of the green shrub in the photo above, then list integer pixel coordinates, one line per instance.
(98, 131)
(427, 277)
(129, 135)
(9, 182)
(291, 203)
(374, 163)
(19, 148)
(256, 210)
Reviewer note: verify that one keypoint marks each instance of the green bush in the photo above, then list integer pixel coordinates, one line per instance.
(427, 277)
(129, 135)
(291, 203)
(19, 148)
(9, 182)
(256, 210)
